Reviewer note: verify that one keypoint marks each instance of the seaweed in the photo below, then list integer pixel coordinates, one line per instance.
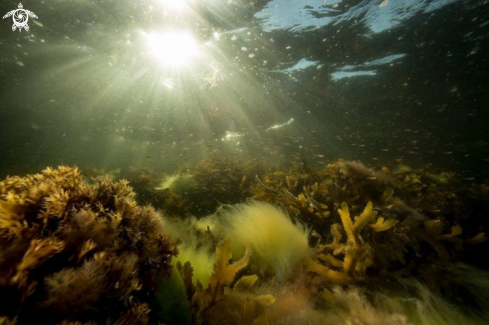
(78, 251)
(357, 254)
(358, 228)
(204, 299)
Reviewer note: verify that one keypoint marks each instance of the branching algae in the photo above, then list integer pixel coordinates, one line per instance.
(71, 250)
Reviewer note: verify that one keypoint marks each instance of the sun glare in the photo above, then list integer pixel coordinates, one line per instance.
(175, 5)
(173, 48)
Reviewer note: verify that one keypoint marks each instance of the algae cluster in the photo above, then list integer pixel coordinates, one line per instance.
(379, 246)
(73, 250)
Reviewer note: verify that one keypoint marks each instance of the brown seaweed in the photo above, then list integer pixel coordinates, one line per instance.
(73, 250)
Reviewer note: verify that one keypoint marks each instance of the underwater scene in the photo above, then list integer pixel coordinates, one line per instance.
(244, 162)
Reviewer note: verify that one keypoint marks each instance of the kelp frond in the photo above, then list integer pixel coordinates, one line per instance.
(223, 275)
(348, 261)
(224, 272)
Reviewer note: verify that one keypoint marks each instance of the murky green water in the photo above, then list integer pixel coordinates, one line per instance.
(103, 84)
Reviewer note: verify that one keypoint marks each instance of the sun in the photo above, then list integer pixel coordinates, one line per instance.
(173, 48)
(174, 5)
